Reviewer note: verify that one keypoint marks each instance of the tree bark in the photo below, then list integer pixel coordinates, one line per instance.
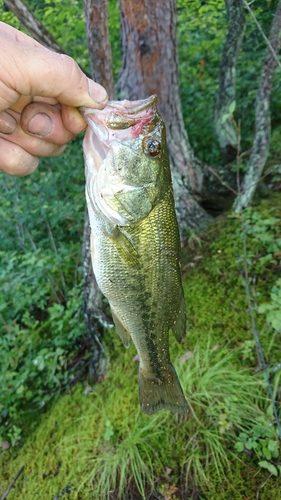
(101, 67)
(150, 66)
(35, 27)
(100, 57)
(225, 131)
(260, 147)
(98, 44)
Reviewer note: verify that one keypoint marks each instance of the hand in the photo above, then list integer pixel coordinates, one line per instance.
(39, 93)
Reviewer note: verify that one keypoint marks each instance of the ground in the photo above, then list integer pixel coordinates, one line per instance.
(93, 442)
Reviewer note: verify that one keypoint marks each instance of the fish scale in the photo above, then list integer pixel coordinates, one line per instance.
(137, 264)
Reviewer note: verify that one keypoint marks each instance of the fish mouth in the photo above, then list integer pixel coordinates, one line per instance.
(119, 122)
(134, 107)
(126, 107)
(121, 115)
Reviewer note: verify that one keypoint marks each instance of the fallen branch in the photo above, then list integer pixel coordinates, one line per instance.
(67, 490)
(12, 484)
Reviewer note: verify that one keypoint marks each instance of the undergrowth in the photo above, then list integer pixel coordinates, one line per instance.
(94, 443)
(41, 319)
(100, 443)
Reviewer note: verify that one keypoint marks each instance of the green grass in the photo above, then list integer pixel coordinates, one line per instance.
(103, 447)
(101, 442)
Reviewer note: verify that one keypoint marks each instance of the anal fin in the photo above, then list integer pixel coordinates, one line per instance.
(121, 330)
(179, 326)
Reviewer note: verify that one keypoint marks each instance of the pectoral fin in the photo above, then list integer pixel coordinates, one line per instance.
(124, 247)
(121, 330)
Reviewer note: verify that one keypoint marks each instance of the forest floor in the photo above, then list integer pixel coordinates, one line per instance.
(92, 442)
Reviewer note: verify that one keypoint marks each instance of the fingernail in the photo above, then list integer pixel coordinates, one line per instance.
(8, 123)
(97, 92)
(40, 124)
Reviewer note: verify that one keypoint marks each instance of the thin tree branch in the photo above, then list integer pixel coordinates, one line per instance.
(35, 27)
(3, 497)
(96, 17)
(261, 141)
(247, 5)
(221, 180)
(225, 129)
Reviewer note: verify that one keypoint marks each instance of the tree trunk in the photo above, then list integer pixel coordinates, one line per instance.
(225, 130)
(101, 66)
(95, 317)
(100, 56)
(260, 147)
(35, 27)
(98, 44)
(150, 66)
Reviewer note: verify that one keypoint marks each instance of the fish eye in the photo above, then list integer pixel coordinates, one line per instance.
(151, 146)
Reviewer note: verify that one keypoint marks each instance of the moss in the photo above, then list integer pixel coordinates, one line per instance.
(242, 483)
(213, 279)
(86, 432)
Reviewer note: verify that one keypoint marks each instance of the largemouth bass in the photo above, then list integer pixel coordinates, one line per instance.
(135, 239)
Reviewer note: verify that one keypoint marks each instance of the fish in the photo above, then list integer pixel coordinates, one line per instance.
(135, 242)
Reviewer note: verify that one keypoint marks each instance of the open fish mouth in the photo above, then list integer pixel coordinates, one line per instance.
(116, 112)
(119, 121)
(134, 107)
(120, 116)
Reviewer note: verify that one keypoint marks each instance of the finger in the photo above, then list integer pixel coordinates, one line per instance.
(66, 121)
(23, 101)
(46, 74)
(8, 123)
(72, 119)
(45, 121)
(16, 161)
(36, 145)
(46, 100)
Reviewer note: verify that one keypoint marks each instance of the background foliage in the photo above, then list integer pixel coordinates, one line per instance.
(42, 344)
(41, 317)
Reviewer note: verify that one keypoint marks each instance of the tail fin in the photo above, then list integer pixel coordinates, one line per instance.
(161, 392)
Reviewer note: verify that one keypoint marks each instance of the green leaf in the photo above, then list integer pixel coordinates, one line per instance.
(225, 117)
(243, 437)
(269, 466)
(239, 446)
(272, 469)
(249, 444)
(273, 446)
(266, 452)
(264, 464)
(108, 431)
(232, 107)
